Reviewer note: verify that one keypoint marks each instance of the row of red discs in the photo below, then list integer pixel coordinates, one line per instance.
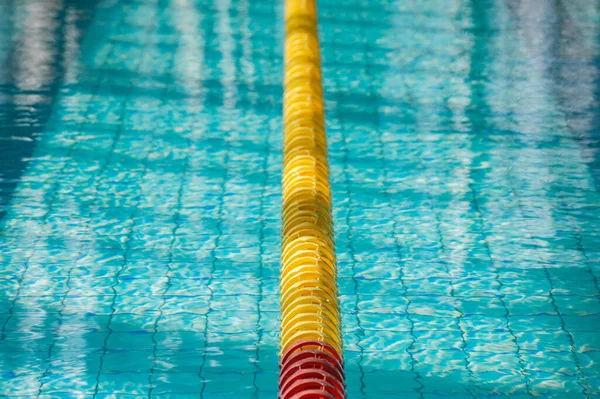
(311, 370)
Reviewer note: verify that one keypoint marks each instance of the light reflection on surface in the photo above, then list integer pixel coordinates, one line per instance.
(189, 63)
(71, 52)
(35, 45)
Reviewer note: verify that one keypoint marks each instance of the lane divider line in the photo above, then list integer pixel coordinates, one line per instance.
(311, 363)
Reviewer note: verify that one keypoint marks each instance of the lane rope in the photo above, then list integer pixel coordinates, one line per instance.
(311, 363)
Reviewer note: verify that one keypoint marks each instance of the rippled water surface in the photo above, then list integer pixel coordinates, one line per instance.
(140, 166)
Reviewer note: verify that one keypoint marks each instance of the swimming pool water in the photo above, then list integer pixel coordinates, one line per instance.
(140, 166)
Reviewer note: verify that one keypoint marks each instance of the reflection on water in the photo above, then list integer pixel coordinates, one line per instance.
(39, 53)
(139, 177)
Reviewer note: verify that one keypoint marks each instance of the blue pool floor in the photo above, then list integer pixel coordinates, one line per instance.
(140, 167)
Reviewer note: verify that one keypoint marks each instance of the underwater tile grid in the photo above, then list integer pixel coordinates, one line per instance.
(140, 166)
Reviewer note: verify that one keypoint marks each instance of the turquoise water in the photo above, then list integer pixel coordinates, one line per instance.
(140, 166)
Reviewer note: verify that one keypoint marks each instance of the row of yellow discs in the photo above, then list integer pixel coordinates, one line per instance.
(309, 304)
